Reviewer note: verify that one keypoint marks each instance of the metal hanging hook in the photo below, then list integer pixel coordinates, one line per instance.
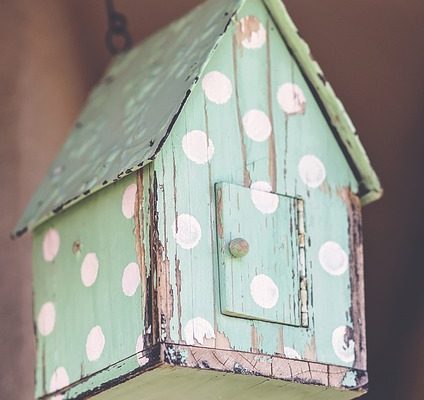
(118, 39)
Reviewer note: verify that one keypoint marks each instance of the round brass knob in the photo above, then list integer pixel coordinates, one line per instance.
(238, 247)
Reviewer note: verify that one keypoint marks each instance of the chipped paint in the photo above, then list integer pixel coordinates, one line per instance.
(222, 341)
(209, 310)
(250, 32)
(291, 99)
(343, 343)
(220, 228)
(272, 157)
(276, 367)
(161, 269)
(246, 175)
(197, 330)
(106, 162)
(255, 340)
(356, 261)
(140, 246)
(274, 240)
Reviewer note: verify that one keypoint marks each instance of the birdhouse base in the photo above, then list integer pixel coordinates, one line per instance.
(190, 372)
(178, 383)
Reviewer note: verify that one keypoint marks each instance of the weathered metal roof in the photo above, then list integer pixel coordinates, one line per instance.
(131, 112)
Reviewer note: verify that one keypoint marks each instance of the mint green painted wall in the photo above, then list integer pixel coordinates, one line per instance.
(99, 225)
(187, 188)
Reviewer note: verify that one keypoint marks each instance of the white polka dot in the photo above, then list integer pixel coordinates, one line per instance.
(264, 201)
(217, 87)
(291, 99)
(128, 201)
(343, 343)
(311, 171)
(187, 231)
(95, 343)
(197, 330)
(333, 258)
(89, 269)
(257, 125)
(51, 244)
(253, 33)
(46, 319)
(142, 360)
(291, 353)
(59, 380)
(198, 147)
(130, 279)
(264, 291)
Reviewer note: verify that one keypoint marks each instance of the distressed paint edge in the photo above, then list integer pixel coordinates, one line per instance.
(108, 377)
(299, 220)
(356, 271)
(334, 108)
(268, 366)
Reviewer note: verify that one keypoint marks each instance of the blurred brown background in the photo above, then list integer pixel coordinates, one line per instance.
(51, 54)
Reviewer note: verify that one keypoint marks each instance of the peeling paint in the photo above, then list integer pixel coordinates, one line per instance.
(220, 227)
(181, 286)
(247, 181)
(310, 352)
(140, 244)
(272, 156)
(158, 290)
(250, 33)
(357, 312)
(222, 341)
(276, 367)
(254, 347)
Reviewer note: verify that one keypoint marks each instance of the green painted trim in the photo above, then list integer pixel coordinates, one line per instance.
(337, 114)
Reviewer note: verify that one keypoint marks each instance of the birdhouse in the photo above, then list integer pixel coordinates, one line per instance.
(199, 234)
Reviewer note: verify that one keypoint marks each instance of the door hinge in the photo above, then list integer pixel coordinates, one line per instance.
(303, 291)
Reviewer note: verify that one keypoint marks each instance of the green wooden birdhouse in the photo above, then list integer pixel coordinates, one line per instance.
(199, 235)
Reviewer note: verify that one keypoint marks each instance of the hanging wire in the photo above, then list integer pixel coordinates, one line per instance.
(118, 39)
